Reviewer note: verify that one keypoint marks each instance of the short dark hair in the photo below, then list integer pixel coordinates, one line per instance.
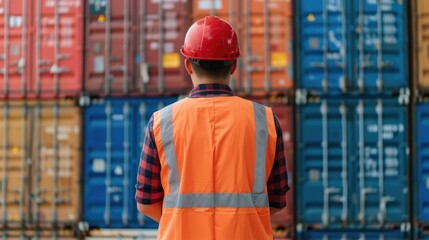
(212, 68)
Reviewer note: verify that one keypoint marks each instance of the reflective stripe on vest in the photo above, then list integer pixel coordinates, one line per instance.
(234, 200)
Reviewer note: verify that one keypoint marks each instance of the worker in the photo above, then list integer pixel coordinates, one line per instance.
(212, 166)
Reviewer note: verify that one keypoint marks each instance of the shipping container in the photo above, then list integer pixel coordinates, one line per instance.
(354, 46)
(354, 235)
(352, 157)
(132, 47)
(379, 45)
(111, 162)
(422, 168)
(41, 44)
(322, 45)
(40, 169)
(283, 221)
(265, 37)
(421, 43)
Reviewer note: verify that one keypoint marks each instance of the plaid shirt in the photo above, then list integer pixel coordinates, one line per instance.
(149, 189)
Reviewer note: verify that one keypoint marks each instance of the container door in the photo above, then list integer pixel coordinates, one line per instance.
(423, 43)
(379, 53)
(162, 28)
(323, 163)
(14, 171)
(267, 57)
(323, 47)
(57, 165)
(423, 162)
(109, 44)
(107, 195)
(14, 47)
(58, 47)
(381, 171)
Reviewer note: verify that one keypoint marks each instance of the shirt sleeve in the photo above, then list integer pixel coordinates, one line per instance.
(278, 180)
(148, 188)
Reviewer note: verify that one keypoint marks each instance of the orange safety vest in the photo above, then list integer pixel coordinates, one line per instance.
(216, 155)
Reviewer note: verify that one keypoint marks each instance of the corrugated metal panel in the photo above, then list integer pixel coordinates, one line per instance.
(40, 170)
(57, 48)
(343, 144)
(423, 162)
(367, 235)
(45, 48)
(265, 38)
(380, 45)
(14, 48)
(423, 43)
(139, 65)
(352, 46)
(323, 45)
(111, 162)
(110, 29)
(162, 29)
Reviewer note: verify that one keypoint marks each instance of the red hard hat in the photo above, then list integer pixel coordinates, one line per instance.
(211, 38)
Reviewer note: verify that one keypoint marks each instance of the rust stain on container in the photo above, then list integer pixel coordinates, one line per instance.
(423, 43)
(40, 148)
(265, 38)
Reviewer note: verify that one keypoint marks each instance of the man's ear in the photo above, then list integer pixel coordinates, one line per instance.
(234, 67)
(188, 66)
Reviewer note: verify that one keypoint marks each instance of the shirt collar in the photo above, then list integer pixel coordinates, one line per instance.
(211, 90)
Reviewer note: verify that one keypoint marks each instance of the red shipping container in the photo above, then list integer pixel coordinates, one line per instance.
(44, 39)
(162, 29)
(283, 221)
(123, 53)
(109, 47)
(14, 47)
(265, 37)
(57, 48)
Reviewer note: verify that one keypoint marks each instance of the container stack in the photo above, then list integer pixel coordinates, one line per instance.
(133, 68)
(420, 43)
(41, 47)
(352, 115)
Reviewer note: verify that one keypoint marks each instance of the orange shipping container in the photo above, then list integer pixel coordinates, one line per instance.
(422, 29)
(265, 37)
(40, 159)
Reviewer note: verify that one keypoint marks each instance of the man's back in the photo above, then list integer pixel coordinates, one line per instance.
(216, 159)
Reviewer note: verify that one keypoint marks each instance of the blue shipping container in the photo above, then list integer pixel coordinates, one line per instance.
(352, 46)
(353, 235)
(423, 163)
(111, 161)
(379, 45)
(323, 45)
(342, 145)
